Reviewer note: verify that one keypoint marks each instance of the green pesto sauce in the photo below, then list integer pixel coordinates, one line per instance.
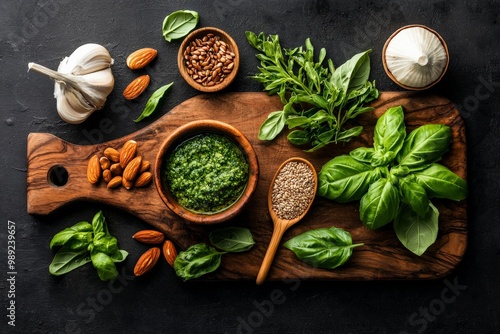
(206, 173)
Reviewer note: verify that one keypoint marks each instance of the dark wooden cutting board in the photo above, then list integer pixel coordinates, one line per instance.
(381, 257)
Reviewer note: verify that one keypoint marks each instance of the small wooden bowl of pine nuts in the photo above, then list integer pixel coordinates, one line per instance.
(208, 59)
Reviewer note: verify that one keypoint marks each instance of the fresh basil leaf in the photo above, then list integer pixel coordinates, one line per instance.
(62, 237)
(99, 223)
(390, 131)
(153, 101)
(298, 137)
(196, 261)
(232, 239)
(347, 135)
(353, 74)
(382, 159)
(415, 232)
(325, 248)
(106, 268)
(439, 182)
(414, 196)
(295, 121)
(66, 260)
(379, 205)
(105, 243)
(345, 179)
(273, 125)
(362, 154)
(119, 256)
(425, 145)
(79, 241)
(178, 24)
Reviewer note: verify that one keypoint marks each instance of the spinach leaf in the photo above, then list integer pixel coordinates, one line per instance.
(414, 195)
(415, 232)
(66, 260)
(153, 101)
(106, 268)
(196, 261)
(272, 126)
(232, 239)
(425, 145)
(353, 74)
(379, 205)
(390, 132)
(346, 179)
(62, 237)
(178, 24)
(439, 182)
(323, 248)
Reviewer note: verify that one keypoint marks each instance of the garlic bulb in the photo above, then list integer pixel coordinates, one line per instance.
(83, 82)
(415, 57)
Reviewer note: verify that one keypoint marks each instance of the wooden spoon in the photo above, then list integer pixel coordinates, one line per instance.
(281, 225)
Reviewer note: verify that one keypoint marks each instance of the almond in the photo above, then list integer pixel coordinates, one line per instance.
(128, 152)
(104, 162)
(94, 170)
(127, 183)
(116, 169)
(132, 169)
(147, 261)
(140, 58)
(145, 165)
(169, 252)
(136, 87)
(143, 180)
(112, 154)
(106, 175)
(149, 237)
(115, 182)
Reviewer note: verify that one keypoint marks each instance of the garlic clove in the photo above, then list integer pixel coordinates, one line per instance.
(86, 59)
(415, 57)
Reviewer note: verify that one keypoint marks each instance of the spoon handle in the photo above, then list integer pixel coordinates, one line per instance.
(279, 230)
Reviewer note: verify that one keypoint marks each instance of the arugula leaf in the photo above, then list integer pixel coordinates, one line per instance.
(178, 24)
(415, 232)
(379, 205)
(325, 248)
(232, 239)
(196, 261)
(153, 101)
(345, 179)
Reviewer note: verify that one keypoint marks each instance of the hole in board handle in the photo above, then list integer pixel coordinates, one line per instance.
(57, 176)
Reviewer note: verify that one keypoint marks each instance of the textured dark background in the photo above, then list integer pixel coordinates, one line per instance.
(47, 30)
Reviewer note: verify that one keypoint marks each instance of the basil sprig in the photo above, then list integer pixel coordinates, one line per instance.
(153, 101)
(332, 96)
(396, 178)
(325, 248)
(201, 259)
(83, 243)
(178, 24)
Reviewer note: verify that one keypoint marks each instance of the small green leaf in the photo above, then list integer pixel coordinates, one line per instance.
(232, 239)
(325, 248)
(99, 223)
(153, 102)
(62, 237)
(106, 268)
(105, 243)
(390, 131)
(66, 260)
(119, 256)
(178, 24)
(415, 232)
(439, 182)
(298, 137)
(414, 195)
(272, 126)
(196, 261)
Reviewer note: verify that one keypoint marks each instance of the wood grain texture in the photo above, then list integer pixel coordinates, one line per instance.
(382, 257)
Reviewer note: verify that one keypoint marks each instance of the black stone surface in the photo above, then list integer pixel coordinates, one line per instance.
(44, 31)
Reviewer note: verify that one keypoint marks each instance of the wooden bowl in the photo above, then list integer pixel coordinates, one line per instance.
(191, 72)
(190, 130)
